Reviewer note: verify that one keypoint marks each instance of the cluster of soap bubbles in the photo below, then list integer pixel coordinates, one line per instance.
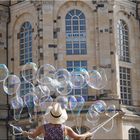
(45, 79)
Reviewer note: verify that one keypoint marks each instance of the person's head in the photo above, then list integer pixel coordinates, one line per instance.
(57, 114)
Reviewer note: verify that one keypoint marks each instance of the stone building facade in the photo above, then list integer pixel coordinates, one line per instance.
(69, 33)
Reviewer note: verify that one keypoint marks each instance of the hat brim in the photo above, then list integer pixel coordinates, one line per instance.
(59, 120)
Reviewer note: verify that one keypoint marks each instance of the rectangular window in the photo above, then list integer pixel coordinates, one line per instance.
(125, 86)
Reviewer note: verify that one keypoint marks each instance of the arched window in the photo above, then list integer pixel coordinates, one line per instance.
(123, 41)
(25, 43)
(134, 134)
(75, 33)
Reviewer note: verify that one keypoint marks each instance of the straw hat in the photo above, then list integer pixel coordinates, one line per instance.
(57, 115)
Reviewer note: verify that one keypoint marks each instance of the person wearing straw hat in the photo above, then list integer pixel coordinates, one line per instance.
(55, 130)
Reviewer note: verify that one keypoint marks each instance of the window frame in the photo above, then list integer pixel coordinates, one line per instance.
(75, 26)
(123, 41)
(25, 42)
(125, 85)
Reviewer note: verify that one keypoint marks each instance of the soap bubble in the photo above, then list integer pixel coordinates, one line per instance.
(45, 90)
(63, 101)
(77, 80)
(45, 102)
(3, 72)
(62, 75)
(84, 73)
(64, 88)
(45, 73)
(100, 106)
(72, 102)
(94, 80)
(80, 103)
(92, 116)
(11, 84)
(111, 110)
(17, 105)
(29, 72)
(16, 102)
(30, 101)
(104, 78)
(39, 92)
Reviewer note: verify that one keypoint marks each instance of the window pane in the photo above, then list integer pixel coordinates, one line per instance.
(25, 43)
(75, 32)
(123, 38)
(125, 85)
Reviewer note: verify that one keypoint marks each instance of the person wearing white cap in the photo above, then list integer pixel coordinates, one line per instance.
(55, 130)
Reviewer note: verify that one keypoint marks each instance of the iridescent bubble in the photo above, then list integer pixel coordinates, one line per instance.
(45, 73)
(39, 92)
(16, 102)
(17, 105)
(56, 84)
(45, 102)
(62, 75)
(100, 106)
(3, 72)
(104, 78)
(63, 101)
(45, 90)
(80, 103)
(77, 80)
(30, 101)
(111, 110)
(72, 102)
(77, 110)
(29, 72)
(95, 79)
(64, 88)
(11, 84)
(84, 73)
(92, 116)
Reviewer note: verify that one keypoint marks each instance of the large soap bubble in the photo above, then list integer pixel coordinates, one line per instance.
(39, 92)
(45, 73)
(92, 116)
(17, 105)
(77, 80)
(64, 88)
(94, 80)
(79, 77)
(3, 72)
(104, 78)
(45, 102)
(111, 110)
(62, 75)
(99, 105)
(63, 101)
(80, 104)
(29, 72)
(30, 101)
(45, 90)
(11, 84)
(72, 102)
